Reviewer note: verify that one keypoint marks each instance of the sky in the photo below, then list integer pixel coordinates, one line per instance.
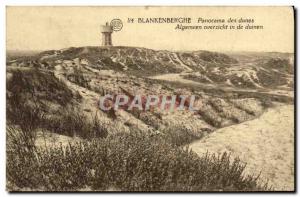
(45, 28)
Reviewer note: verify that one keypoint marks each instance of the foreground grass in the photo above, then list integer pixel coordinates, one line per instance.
(127, 162)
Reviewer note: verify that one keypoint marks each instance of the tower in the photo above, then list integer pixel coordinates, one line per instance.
(106, 31)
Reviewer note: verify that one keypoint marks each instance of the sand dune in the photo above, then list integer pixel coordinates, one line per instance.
(265, 143)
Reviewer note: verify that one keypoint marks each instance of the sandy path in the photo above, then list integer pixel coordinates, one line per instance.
(174, 77)
(265, 143)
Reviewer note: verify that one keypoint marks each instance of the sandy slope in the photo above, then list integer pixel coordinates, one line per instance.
(266, 144)
(89, 104)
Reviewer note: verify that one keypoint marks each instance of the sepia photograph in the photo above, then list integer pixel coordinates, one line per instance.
(150, 99)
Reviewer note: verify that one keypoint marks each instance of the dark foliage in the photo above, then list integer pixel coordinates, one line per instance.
(127, 162)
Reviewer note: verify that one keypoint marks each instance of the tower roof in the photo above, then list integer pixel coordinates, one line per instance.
(106, 28)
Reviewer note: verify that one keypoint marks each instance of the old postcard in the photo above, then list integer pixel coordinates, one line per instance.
(150, 99)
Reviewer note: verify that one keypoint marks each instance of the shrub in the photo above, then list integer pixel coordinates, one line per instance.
(40, 85)
(127, 162)
(71, 122)
(28, 96)
(27, 93)
(78, 77)
(180, 135)
(266, 103)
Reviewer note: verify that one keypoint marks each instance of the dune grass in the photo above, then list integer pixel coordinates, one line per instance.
(127, 162)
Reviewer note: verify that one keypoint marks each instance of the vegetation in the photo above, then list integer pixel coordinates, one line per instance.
(103, 161)
(127, 162)
(27, 94)
(134, 161)
(73, 123)
(31, 96)
(180, 135)
(36, 85)
(78, 78)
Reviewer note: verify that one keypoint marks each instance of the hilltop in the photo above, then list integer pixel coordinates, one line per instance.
(240, 70)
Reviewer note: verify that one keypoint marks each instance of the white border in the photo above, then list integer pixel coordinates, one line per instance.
(150, 2)
(5, 3)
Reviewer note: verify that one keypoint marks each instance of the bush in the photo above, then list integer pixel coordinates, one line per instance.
(266, 103)
(28, 91)
(180, 135)
(78, 77)
(35, 84)
(72, 123)
(127, 162)
(29, 95)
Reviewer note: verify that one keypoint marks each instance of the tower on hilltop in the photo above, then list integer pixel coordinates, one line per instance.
(106, 31)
